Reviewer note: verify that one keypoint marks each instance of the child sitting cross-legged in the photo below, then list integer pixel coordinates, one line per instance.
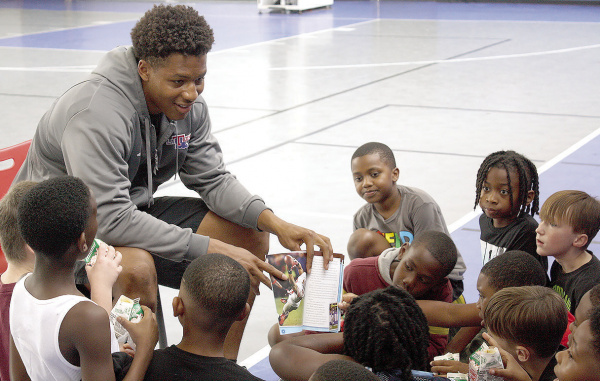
(421, 268)
(384, 330)
(528, 322)
(57, 333)
(213, 295)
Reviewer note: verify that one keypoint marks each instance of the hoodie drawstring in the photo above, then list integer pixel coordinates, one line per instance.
(149, 161)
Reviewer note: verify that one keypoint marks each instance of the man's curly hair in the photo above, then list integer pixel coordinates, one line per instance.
(168, 29)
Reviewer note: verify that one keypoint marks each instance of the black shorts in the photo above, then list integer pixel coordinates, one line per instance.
(185, 212)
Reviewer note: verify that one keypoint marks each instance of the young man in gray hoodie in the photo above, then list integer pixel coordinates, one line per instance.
(134, 123)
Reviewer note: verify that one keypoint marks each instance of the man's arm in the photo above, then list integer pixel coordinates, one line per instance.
(441, 314)
(298, 358)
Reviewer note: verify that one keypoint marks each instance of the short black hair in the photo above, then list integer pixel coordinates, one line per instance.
(385, 153)
(218, 284)
(595, 327)
(441, 247)
(514, 268)
(13, 244)
(386, 330)
(526, 172)
(168, 29)
(342, 370)
(53, 214)
(595, 295)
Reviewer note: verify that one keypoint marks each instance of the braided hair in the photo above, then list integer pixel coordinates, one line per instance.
(386, 330)
(526, 172)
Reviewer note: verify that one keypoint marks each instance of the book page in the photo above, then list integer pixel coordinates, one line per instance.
(323, 287)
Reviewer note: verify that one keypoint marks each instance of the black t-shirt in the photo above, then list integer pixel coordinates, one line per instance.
(572, 286)
(518, 235)
(173, 363)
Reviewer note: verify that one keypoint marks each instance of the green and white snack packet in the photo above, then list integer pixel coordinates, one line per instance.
(129, 309)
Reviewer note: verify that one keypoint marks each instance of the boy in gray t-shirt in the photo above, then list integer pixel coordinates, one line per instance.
(394, 213)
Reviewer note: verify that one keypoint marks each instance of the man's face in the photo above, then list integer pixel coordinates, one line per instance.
(418, 271)
(172, 85)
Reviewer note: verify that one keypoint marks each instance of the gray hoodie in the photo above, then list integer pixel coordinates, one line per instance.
(100, 131)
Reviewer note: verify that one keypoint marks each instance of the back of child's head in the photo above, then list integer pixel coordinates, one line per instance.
(441, 247)
(575, 208)
(531, 316)
(11, 240)
(595, 326)
(514, 268)
(385, 153)
(342, 370)
(53, 214)
(385, 329)
(218, 285)
(518, 164)
(595, 296)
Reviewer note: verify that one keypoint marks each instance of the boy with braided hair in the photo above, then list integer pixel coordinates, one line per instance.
(384, 330)
(507, 190)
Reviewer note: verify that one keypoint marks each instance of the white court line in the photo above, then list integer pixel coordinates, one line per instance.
(256, 357)
(88, 68)
(457, 60)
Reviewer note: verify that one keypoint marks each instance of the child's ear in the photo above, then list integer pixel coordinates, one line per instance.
(245, 312)
(178, 306)
(523, 353)
(395, 174)
(530, 197)
(403, 249)
(581, 240)
(82, 243)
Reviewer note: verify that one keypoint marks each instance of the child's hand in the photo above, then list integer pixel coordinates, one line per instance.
(145, 333)
(127, 348)
(449, 366)
(512, 370)
(347, 298)
(107, 268)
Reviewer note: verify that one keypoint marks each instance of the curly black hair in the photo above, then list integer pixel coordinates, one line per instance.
(53, 214)
(595, 327)
(385, 153)
(168, 29)
(526, 172)
(440, 246)
(386, 330)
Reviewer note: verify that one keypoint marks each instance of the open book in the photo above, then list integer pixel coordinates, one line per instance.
(307, 302)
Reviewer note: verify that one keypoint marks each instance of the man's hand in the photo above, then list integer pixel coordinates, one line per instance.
(293, 237)
(251, 263)
(512, 369)
(449, 366)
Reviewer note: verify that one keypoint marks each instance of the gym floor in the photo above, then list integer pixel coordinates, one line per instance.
(293, 95)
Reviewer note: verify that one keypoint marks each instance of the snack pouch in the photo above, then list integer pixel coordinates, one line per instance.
(90, 259)
(484, 359)
(448, 356)
(129, 309)
(457, 376)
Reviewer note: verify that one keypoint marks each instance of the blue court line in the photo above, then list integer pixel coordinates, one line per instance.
(238, 23)
(578, 170)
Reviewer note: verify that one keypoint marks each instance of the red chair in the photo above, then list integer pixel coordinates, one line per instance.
(11, 159)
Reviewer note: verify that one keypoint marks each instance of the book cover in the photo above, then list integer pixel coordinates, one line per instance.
(307, 302)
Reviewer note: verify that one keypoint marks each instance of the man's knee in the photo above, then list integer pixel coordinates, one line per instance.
(365, 243)
(138, 277)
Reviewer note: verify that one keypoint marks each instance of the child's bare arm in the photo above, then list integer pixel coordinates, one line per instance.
(85, 336)
(462, 338)
(145, 335)
(298, 358)
(103, 274)
(441, 314)
(17, 369)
